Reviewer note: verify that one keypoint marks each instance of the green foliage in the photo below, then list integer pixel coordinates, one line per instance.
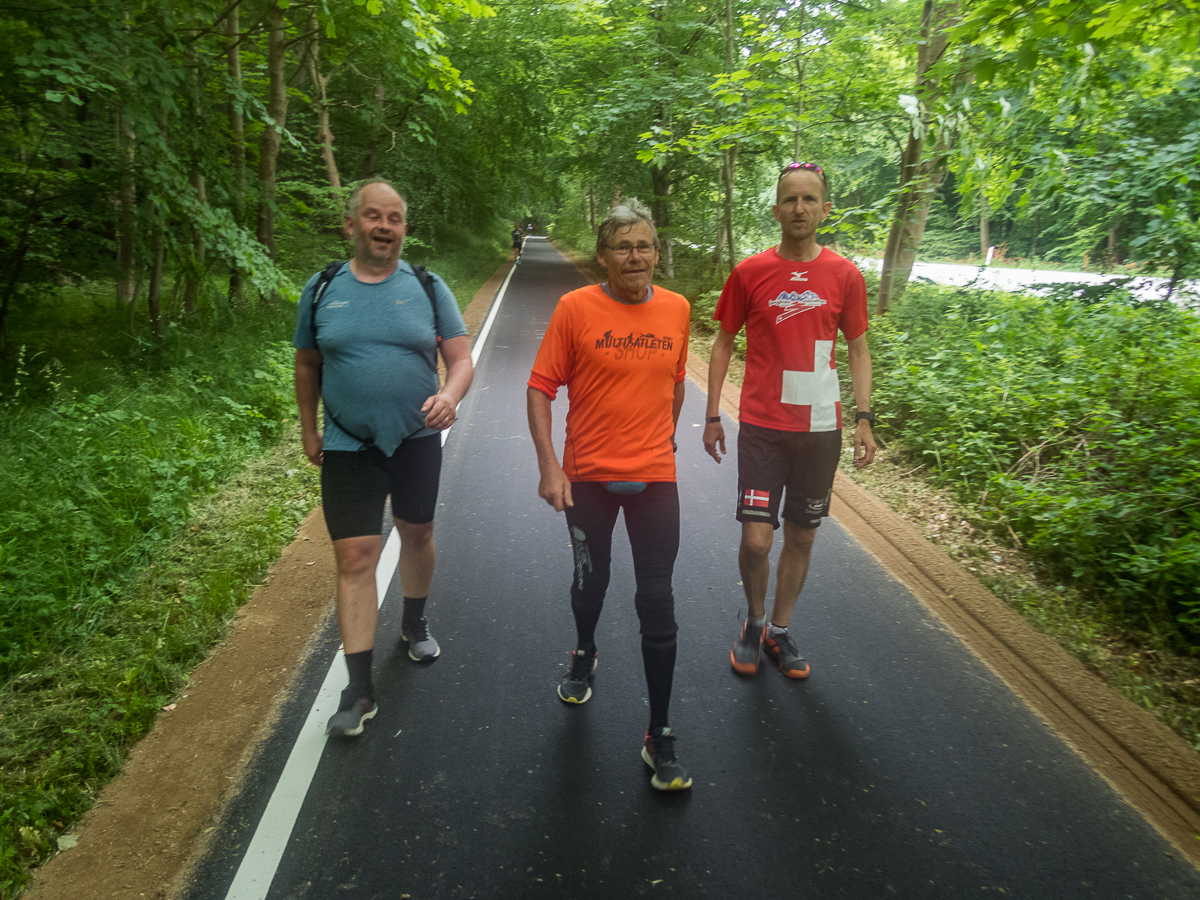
(1069, 425)
(98, 479)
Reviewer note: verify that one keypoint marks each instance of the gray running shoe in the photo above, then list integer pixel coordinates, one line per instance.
(577, 686)
(352, 712)
(780, 647)
(658, 752)
(421, 645)
(744, 655)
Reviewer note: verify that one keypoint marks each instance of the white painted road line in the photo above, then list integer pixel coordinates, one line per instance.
(258, 867)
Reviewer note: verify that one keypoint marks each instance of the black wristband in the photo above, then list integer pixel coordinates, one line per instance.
(869, 416)
(713, 420)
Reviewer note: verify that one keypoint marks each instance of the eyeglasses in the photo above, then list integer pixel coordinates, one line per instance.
(623, 250)
(803, 167)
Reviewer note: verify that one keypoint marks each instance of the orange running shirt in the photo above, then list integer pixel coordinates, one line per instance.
(620, 363)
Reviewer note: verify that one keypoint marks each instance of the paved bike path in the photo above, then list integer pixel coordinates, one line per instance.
(903, 767)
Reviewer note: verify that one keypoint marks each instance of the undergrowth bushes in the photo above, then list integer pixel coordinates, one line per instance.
(1069, 427)
(96, 478)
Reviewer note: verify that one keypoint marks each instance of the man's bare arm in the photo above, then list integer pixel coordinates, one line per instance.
(441, 408)
(859, 362)
(718, 368)
(554, 486)
(307, 379)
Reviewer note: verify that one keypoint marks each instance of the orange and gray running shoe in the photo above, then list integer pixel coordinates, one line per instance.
(744, 655)
(781, 648)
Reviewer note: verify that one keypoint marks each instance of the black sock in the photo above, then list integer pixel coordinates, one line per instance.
(658, 659)
(414, 608)
(588, 647)
(359, 665)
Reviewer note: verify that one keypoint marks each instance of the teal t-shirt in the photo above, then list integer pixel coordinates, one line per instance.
(379, 353)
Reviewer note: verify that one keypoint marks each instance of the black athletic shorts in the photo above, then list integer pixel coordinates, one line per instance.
(355, 484)
(796, 466)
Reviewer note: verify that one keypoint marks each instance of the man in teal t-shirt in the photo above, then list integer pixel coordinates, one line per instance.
(370, 352)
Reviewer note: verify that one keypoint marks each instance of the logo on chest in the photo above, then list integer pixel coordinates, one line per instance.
(793, 303)
(633, 346)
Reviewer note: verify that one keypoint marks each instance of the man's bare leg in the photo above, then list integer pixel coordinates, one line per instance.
(754, 562)
(357, 611)
(793, 570)
(357, 598)
(789, 581)
(417, 558)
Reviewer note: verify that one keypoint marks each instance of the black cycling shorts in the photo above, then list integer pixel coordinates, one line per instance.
(796, 466)
(355, 485)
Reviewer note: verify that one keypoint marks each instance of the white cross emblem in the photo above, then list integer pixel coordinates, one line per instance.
(818, 389)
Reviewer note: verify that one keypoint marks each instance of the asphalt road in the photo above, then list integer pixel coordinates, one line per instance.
(902, 768)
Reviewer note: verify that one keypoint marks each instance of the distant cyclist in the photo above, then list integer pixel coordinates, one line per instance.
(621, 350)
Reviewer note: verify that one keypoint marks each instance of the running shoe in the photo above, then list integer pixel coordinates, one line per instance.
(352, 712)
(421, 645)
(744, 655)
(781, 648)
(577, 686)
(658, 752)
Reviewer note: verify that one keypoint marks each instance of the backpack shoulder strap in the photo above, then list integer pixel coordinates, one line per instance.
(326, 276)
(426, 280)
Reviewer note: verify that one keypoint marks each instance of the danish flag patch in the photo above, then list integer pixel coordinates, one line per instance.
(756, 498)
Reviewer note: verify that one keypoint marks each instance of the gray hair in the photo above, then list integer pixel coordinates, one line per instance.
(626, 215)
(356, 195)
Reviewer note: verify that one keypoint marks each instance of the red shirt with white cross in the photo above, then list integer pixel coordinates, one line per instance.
(792, 312)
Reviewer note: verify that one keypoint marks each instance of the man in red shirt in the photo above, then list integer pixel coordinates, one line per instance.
(793, 299)
(621, 350)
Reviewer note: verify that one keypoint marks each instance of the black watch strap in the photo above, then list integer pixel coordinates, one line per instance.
(713, 420)
(869, 416)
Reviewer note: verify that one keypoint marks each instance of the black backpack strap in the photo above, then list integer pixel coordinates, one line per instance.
(426, 280)
(326, 276)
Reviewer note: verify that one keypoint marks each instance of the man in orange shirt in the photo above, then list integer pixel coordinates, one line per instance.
(621, 350)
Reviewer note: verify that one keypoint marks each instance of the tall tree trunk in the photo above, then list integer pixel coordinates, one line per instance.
(660, 177)
(324, 133)
(237, 134)
(154, 292)
(800, 66)
(18, 261)
(272, 138)
(985, 232)
(729, 172)
(921, 172)
(371, 162)
(592, 207)
(196, 271)
(127, 215)
(729, 155)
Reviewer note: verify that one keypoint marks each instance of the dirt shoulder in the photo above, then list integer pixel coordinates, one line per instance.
(146, 828)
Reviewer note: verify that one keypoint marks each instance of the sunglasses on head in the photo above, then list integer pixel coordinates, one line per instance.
(803, 167)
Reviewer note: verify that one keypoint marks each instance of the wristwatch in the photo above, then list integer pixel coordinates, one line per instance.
(869, 416)
(712, 420)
